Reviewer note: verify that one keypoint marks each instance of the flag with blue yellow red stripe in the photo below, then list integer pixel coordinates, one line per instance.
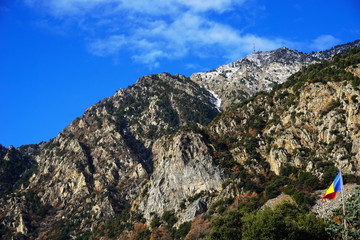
(336, 186)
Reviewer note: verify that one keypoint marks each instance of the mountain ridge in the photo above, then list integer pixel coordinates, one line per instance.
(260, 71)
(158, 152)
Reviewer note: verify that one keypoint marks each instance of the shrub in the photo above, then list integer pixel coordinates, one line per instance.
(84, 236)
(287, 169)
(183, 230)
(169, 218)
(286, 221)
(155, 222)
(329, 175)
(228, 227)
(309, 180)
(145, 234)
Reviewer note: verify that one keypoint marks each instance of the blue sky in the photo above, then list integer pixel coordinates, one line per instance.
(58, 57)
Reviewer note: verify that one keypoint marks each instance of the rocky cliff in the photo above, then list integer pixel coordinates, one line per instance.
(95, 166)
(157, 156)
(184, 168)
(260, 71)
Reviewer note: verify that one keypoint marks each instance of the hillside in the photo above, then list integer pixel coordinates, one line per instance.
(101, 158)
(260, 71)
(292, 139)
(157, 161)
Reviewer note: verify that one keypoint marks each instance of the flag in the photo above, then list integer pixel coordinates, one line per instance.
(335, 187)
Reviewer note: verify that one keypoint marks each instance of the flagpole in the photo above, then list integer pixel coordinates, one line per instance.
(343, 202)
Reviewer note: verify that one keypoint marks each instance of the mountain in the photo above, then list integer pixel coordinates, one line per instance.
(260, 71)
(102, 158)
(157, 160)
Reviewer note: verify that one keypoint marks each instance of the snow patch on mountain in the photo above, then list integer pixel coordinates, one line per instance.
(216, 100)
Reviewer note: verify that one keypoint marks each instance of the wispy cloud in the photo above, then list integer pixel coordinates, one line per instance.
(108, 46)
(151, 31)
(153, 7)
(324, 42)
(60, 8)
(190, 33)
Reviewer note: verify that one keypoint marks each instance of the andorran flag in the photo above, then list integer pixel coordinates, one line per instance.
(335, 187)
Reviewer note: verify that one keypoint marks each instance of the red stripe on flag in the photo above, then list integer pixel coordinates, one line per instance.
(329, 196)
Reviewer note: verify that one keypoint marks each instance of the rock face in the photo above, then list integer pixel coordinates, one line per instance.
(275, 201)
(260, 71)
(184, 167)
(307, 125)
(160, 148)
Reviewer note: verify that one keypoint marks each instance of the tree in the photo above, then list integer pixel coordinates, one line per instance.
(286, 221)
(227, 227)
(352, 216)
(155, 222)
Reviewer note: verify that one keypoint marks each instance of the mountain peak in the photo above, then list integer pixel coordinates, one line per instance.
(260, 71)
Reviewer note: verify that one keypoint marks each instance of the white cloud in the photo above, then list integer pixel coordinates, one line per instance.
(150, 58)
(190, 33)
(61, 8)
(324, 42)
(152, 7)
(158, 29)
(206, 5)
(108, 46)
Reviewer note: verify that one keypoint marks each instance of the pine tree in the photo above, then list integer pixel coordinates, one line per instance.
(352, 216)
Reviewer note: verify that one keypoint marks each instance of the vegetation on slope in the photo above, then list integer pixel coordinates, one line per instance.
(285, 221)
